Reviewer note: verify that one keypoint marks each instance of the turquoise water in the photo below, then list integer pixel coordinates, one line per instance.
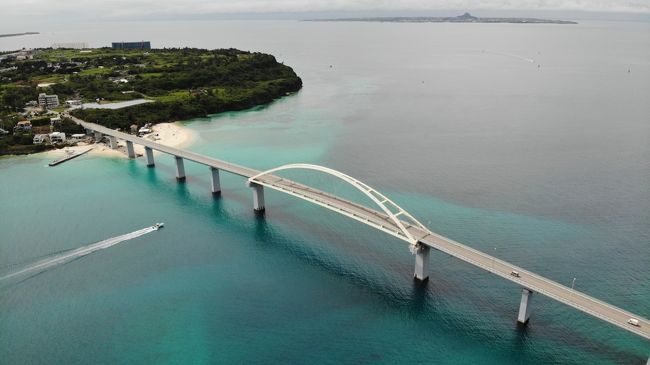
(505, 166)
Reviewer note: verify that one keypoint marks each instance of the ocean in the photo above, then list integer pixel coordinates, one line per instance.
(529, 142)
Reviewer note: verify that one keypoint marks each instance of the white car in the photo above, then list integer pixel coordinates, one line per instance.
(514, 273)
(634, 322)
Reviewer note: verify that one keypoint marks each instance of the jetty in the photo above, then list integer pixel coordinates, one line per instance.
(69, 157)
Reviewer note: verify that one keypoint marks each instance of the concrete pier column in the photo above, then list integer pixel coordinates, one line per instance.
(258, 197)
(112, 142)
(421, 253)
(129, 149)
(180, 169)
(98, 136)
(524, 306)
(216, 182)
(89, 132)
(149, 152)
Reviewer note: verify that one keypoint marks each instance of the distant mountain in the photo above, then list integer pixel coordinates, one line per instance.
(465, 18)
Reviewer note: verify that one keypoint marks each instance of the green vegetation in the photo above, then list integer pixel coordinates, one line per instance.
(184, 83)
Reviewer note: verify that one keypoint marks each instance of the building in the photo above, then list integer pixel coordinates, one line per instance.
(71, 45)
(40, 138)
(57, 137)
(144, 130)
(48, 101)
(78, 137)
(24, 125)
(132, 45)
(55, 120)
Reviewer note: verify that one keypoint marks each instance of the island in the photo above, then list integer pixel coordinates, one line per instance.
(127, 89)
(465, 18)
(18, 34)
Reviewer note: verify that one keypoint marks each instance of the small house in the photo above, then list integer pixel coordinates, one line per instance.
(144, 130)
(40, 138)
(55, 120)
(57, 137)
(78, 137)
(23, 125)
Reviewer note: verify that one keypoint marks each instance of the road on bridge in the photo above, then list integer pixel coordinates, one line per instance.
(380, 220)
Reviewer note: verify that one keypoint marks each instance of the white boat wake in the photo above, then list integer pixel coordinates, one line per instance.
(77, 253)
(529, 60)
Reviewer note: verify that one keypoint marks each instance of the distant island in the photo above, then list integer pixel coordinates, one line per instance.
(465, 18)
(123, 88)
(17, 34)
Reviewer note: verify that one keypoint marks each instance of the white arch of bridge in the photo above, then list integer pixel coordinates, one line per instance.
(378, 198)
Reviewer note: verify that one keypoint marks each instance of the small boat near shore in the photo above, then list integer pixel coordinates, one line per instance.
(69, 157)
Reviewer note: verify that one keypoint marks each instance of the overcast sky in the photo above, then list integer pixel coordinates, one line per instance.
(120, 9)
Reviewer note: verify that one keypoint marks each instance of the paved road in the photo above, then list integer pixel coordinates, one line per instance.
(379, 220)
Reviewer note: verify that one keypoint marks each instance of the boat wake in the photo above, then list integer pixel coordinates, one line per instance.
(529, 60)
(68, 256)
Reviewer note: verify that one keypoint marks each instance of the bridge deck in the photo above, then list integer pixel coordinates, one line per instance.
(379, 220)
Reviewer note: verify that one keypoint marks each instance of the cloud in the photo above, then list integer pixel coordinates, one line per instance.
(136, 8)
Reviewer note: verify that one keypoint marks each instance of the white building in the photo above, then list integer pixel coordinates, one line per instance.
(48, 101)
(78, 137)
(57, 137)
(40, 138)
(144, 130)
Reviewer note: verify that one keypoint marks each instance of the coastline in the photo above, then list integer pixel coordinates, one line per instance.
(169, 134)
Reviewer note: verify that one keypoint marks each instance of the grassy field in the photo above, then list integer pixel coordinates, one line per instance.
(184, 83)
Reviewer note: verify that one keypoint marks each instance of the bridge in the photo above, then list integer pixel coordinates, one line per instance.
(388, 217)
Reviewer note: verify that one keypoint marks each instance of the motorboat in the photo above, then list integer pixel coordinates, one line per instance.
(157, 226)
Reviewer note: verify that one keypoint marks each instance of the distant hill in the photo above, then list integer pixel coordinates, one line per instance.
(465, 18)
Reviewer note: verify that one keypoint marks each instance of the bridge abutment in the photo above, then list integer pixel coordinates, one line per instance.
(524, 306)
(129, 149)
(258, 196)
(149, 152)
(216, 181)
(421, 262)
(180, 168)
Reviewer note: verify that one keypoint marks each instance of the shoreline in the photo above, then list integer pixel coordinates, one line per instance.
(169, 134)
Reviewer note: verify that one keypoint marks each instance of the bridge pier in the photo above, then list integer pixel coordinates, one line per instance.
(149, 152)
(112, 142)
(129, 149)
(421, 253)
(524, 306)
(258, 196)
(216, 181)
(98, 136)
(180, 169)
